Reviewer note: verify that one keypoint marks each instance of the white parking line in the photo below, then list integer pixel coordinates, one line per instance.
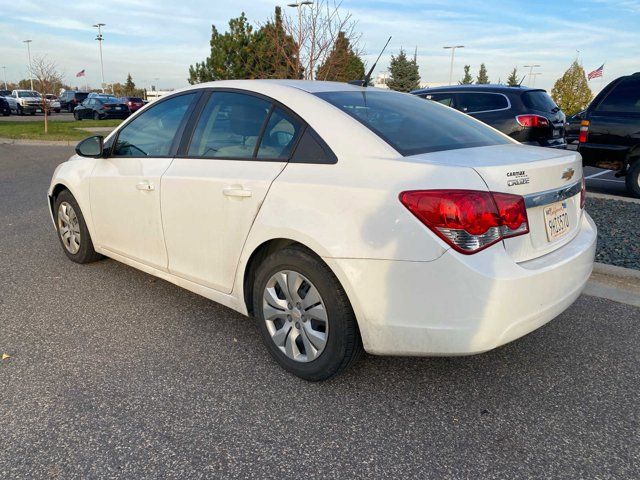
(607, 180)
(597, 174)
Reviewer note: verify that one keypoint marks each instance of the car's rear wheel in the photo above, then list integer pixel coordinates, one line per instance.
(633, 178)
(304, 316)
(72, 229)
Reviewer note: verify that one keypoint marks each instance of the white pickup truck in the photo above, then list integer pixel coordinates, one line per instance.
(28, 101)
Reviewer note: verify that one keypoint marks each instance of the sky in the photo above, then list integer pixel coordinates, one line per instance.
(157, 40)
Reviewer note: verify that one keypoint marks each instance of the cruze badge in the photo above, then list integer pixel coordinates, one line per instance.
(518, 177)
(567, 174)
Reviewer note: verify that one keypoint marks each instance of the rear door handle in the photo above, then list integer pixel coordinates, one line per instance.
(236, 192)
(145, 186)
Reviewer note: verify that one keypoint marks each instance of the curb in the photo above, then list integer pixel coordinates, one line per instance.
(617, 272)
(604, 196)
(17, 141)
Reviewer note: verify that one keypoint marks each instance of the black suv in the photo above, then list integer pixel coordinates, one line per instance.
(70, 99)
(526, 114)
(610, 130)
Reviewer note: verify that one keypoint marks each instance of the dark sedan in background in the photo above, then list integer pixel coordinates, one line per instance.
(100, 108)
(528, 115)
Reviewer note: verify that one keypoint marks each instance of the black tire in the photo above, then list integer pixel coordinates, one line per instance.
(32, 113)
(19, 110)
(96, 116)
(76, 116)
(343, 345)
(86, 252)
(57, 110)
(633, 178)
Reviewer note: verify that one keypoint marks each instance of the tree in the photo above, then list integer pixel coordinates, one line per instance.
(467, 79)
(276, 50)
(47, 79)
(233, 54)
(482, 78)
(129, 86)
(512, 80)
(404, 75)
(315, 33)
(571, 91)
(342, 64)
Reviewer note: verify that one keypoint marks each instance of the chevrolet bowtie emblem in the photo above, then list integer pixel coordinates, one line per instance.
(568, 174)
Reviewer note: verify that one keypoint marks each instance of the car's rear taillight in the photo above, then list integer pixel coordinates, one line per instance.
(584, 131)
(468, 220)
(583, 193)
(533, 121)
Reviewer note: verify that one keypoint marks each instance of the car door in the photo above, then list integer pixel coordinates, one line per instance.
(125, 186)
(240, 144)
(613, 125)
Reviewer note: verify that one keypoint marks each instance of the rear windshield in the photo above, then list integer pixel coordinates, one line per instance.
(539, 100)
(411, 125)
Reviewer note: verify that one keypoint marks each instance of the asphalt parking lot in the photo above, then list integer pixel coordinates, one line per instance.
(113, 373)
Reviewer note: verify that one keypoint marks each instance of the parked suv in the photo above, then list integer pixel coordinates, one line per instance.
(5, 109)
(70, 99)
(525, 114)
(13, 104)
(610, 130)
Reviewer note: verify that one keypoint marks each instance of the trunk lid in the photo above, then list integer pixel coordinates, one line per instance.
(545, 177)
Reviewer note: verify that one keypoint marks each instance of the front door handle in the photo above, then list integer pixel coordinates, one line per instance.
(145, 186)
(236, 192)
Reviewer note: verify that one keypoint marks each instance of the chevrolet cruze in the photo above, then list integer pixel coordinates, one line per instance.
(341, 218)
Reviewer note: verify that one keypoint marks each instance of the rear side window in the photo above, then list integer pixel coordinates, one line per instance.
(471, 102)
(279, 136)
(625, 98)
(229, 126)
(411, 125)
(152, 133)
(539, 100)
(443, 98)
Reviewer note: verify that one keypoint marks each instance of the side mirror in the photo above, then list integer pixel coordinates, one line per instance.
(92, 147)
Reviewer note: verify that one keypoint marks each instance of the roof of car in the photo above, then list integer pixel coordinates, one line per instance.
(474, 87)
(310, 86)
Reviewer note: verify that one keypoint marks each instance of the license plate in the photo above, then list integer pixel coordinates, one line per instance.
(556, 220)
(556, 132)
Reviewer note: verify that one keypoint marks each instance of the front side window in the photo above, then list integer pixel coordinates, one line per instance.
(470, 102)
(411, 125)
(229, 126)
(625, 98)
(152, 133)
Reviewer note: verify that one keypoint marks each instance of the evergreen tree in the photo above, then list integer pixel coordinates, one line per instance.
(571, 91)
(467, 79)
(129, 86)
(404, 74)
(276, 51)
(512, 80)
(342, 64)
(482, 78)
(233, 54)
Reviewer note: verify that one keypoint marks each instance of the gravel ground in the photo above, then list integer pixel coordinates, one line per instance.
(618, 231)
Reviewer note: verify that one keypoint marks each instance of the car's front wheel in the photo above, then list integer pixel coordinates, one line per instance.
(72, 229)
(96, 115)
(633, 178)
(304, 315)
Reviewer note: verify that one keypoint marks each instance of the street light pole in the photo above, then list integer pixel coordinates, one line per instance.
(453, 51)
(99, 39)
(531, 67)
(534, 75)
(4, 70)
(299, 5)
(30, 68)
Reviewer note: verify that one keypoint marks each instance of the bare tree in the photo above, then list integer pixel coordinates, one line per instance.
(316, 28)
(48, 79)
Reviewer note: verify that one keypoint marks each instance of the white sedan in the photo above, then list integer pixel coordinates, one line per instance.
(341, 218)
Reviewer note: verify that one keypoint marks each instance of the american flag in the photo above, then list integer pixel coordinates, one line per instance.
(80, 73)
(596, 73)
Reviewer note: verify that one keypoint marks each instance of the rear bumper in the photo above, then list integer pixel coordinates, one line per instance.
(461, 305)
(116, 114)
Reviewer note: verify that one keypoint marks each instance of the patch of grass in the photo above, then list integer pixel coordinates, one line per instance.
(57, 130)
